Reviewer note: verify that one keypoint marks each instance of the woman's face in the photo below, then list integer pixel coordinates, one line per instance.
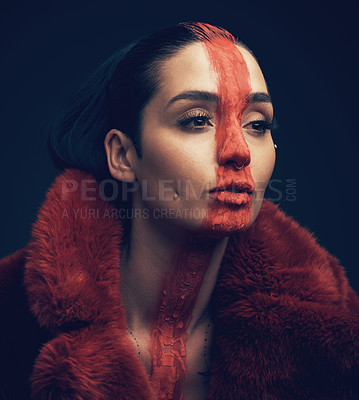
(190, 175)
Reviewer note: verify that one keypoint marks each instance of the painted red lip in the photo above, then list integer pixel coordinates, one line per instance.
(235, 198)
(234, 187)
(236, 193)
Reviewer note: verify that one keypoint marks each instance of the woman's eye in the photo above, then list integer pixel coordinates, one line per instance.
(199, 121)
(259, 127)
(196, 122)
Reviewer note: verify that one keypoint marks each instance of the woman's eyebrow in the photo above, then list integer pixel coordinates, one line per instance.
(202, 95)
(195, 95)
(259, 97)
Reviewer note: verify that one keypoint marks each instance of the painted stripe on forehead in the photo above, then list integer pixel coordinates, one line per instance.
(233, 87)
(233, 82)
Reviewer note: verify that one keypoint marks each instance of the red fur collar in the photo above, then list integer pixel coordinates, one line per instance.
(282, 307)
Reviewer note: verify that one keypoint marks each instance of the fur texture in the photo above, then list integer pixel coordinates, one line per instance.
(286, 319)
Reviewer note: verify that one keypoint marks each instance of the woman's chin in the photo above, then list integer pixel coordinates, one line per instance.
(222, 231)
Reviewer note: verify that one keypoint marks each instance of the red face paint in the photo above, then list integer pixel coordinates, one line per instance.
(231, 203)
(228, 212)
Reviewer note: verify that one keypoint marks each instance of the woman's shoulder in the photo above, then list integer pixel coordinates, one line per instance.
(289, 300)
(303, 248)
(291, 243)
(279, 248)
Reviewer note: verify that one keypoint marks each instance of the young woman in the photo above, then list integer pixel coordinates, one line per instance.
(155, 269)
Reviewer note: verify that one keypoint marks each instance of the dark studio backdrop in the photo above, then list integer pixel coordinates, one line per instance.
(308, 56)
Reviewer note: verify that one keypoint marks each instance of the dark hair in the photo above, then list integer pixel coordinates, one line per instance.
(115, 95)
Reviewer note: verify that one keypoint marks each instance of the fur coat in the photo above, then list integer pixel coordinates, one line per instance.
(286, 319)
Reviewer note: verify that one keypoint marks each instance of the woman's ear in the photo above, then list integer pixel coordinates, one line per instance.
(119, 149)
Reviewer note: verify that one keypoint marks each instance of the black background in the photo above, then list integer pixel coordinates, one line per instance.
(308, 53)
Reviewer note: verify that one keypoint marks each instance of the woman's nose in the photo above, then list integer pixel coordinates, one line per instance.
(233, 149)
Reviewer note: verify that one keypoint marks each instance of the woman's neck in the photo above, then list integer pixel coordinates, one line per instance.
(160, 258)
(167, 280)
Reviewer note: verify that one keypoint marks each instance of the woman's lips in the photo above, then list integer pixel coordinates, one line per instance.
(230, 197)
(231, 191)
